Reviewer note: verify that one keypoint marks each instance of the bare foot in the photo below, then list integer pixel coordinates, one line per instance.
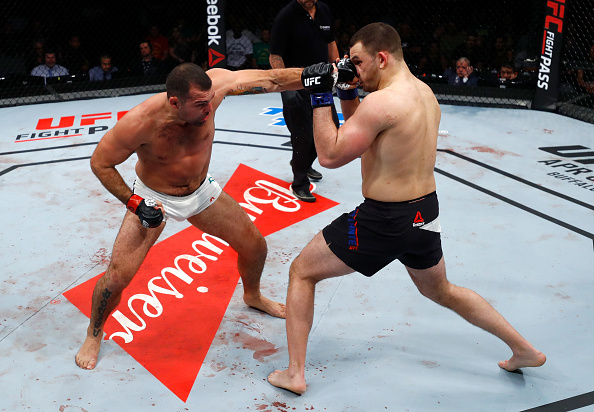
(275, 309)
(282, 379)
(532, 358)
(86, 358)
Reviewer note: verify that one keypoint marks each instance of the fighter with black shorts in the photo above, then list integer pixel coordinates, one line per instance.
(376, 233)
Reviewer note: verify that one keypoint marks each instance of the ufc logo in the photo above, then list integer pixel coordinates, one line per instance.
(586, 154)
(312, 80)
(68, 121)
(558, 12)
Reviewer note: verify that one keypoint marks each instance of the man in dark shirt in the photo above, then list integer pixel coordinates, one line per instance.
(149, 65)
(302, 35)
(463, 75)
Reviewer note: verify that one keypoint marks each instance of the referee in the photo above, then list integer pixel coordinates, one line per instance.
(302, 35)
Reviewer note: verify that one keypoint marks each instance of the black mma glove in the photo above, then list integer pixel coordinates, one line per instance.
(147, 211)
(318, 79)
(346, 74)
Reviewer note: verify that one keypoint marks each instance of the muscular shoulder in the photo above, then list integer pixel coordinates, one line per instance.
(222, 80)
(141, 121)
(403, 103)
(383, 106)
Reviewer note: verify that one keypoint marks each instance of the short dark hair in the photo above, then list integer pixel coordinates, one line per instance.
(183, 76)
(376, 37)
(507, 65)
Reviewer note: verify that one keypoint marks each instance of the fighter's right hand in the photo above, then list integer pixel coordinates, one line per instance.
(347, 72)
(147, 211)
(318, 79)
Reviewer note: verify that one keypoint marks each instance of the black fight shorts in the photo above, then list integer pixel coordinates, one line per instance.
(376, 233)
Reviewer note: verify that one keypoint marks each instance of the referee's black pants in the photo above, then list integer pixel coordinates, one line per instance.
(298, 115)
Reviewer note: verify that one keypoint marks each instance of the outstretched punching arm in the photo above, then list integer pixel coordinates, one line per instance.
(240, 82)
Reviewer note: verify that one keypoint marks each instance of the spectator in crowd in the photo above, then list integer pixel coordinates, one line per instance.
(302, 35)
(238, 22)
(261, 56)
(49, 68)
(74, 57)
(470, 50)
(507, 71)
(159, 43)
(239, 49)
(149, 65)
(103, 71)
(432, 61)
(508, 77)
(35, 56)
(463, 75)
(179, 49)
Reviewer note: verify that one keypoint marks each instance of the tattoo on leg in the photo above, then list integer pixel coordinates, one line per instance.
(101, 311)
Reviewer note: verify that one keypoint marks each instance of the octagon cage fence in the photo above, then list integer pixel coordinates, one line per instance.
(546, 46)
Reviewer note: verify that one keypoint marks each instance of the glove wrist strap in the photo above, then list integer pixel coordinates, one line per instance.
(350, 94)
(133, 203)
(321, 99)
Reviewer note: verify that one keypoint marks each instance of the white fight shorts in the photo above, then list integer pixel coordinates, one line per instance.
(182, 207)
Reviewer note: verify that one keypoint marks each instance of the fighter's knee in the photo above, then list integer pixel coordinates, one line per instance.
(253, 247)
(297, 271)
(259, 246)
(117, 279)
(439, 295)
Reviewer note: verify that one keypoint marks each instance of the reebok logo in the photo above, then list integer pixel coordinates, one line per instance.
(212, 21)
(214, 57)
(419, 221)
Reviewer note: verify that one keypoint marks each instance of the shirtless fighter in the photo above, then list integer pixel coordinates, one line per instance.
(394, 130)
(172, 134)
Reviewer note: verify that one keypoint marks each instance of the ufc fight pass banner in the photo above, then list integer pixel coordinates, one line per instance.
(172, 309)
(547, 85)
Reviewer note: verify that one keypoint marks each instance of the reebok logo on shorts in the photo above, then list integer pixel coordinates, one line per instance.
(419, 221)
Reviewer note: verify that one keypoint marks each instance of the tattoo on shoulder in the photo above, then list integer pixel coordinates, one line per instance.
(241, 90)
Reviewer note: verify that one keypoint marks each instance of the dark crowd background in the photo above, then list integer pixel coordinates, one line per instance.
(434, 34)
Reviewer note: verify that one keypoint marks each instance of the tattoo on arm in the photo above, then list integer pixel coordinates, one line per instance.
(241, 90)
(276, 61)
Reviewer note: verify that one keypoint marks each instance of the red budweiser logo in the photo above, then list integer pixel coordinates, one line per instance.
(188, 279)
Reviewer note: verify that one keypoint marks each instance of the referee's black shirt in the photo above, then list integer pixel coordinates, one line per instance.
(299, 39)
